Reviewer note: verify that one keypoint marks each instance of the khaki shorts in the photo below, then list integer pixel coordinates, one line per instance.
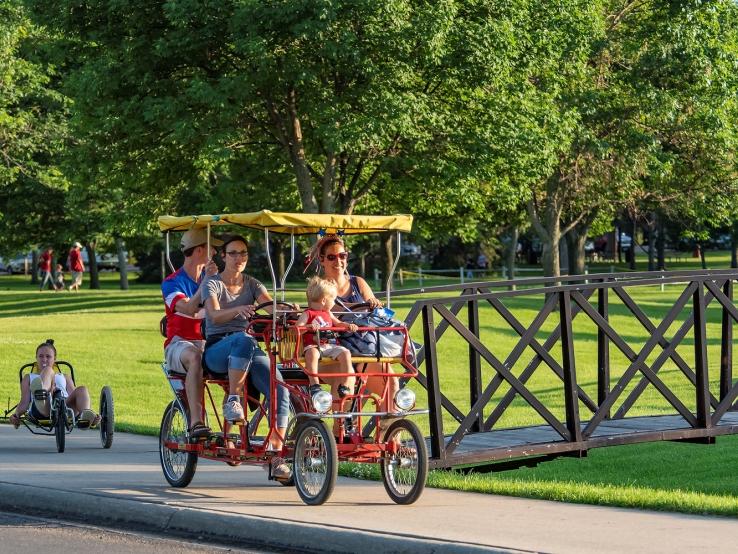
(77, 277)
(329, 350)
(175, 349)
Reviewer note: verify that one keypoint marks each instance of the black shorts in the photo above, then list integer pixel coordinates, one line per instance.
(35, 414)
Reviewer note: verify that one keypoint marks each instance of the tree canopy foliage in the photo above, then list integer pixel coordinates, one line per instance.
(463, 112)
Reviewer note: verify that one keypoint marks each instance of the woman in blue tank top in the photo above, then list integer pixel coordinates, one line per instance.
(332, 257)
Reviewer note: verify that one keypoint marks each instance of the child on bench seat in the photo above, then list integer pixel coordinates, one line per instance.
(321, 296)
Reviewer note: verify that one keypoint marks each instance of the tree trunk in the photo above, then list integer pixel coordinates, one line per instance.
(702, 254)
(328, 197)
(734, 245)
(548, 229)
(632, 253)
(651, 249)
(576, 239)
(299, 162)
(661, 244)
(92, 266)
(34, 267)
(510, 254)
(362, 264)
(122, 263)
(550, 255)
(612, 244)
(388, 257)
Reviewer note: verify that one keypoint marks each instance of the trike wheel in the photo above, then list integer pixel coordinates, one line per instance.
(107, 417)
(315, 467)
(179, 467)
(404, 465)
(60, 423)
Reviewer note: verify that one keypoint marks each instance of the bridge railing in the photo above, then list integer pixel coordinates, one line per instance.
(568, 299)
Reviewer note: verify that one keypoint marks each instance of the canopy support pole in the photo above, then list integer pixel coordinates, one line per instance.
(388, 286)
(274, 284)
(169, 260)
(289, 266)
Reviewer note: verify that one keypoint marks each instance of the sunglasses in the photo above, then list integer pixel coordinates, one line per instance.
(238, 253)
(333, 257)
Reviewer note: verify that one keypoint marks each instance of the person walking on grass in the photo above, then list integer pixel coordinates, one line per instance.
(76, 266)
(44, 266)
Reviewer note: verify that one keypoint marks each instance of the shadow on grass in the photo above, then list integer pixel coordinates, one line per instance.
(39, 304)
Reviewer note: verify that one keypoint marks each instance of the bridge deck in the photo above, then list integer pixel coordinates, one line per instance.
(541, 440)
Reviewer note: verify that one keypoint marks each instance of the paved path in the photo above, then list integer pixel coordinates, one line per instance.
(125, 484)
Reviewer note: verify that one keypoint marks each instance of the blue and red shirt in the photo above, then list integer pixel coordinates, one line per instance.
(178, 286)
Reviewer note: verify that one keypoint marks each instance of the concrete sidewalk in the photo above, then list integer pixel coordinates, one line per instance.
(125, 485)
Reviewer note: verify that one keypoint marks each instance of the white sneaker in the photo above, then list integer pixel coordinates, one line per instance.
(233, 411)
(280, 470)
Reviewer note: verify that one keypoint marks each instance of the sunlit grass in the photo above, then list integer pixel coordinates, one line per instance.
(111, 337)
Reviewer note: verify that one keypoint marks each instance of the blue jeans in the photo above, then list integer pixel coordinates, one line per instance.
(239, 352)
(46, 278)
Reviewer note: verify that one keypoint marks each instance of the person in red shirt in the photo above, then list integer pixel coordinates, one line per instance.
(321, 296)
(76, 266)
(44, 266)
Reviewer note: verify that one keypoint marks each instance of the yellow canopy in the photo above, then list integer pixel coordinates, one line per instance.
(298, 224)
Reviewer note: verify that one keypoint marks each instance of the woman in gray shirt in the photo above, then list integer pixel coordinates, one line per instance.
(229, 299)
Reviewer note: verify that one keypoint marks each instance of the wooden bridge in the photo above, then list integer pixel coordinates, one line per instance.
(589, 404)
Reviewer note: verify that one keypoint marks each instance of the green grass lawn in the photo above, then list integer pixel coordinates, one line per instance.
(111, 337)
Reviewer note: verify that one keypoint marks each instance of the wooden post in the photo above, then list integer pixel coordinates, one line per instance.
(700, 358)
(603, 350)
(726, 345)
(435, 415)
(475, 365)
(570, 374)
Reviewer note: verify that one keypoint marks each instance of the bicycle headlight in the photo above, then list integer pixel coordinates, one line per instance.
(405, 399)
(322, 401)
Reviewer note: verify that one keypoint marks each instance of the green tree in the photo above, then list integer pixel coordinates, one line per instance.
(32, 135)
(650, 111)
(349, 96)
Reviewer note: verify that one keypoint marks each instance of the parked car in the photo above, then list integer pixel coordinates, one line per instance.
(723, 242)
(20, 264)
(105, 261)
(409, 249)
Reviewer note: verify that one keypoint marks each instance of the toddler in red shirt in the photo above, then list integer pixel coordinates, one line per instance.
(321, 296)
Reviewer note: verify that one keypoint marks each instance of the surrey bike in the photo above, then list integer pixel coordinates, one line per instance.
(367, 432)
